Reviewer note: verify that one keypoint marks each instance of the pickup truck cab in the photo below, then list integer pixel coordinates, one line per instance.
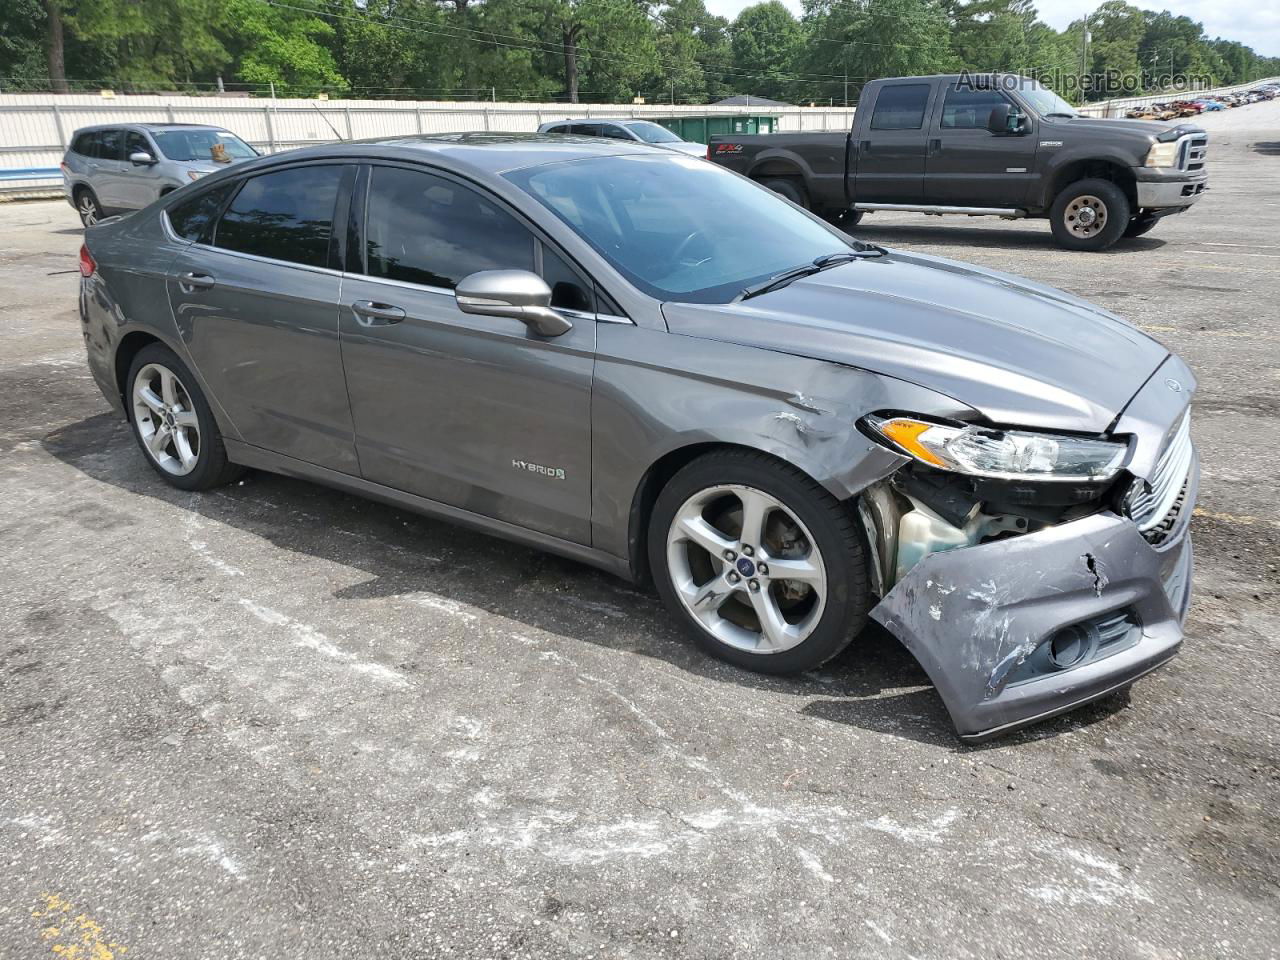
(983, 145)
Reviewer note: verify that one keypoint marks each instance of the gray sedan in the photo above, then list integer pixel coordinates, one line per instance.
(648, 363)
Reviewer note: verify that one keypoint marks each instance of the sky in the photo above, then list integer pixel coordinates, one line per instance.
(1255, 24)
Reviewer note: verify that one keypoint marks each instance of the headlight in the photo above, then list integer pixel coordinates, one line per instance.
(195, 174)
(1162, 154)
(1006, 454)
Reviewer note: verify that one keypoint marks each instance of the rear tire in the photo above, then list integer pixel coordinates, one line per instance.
(87, 207)
(1089, 215)
(1140, 225)
(173, 423)
(721, 519)
(791, 189)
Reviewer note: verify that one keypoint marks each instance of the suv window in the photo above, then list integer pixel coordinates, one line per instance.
(586, 129)
(190, 218)
(110, 145)
(86, 144)
(285, 215)
(969, 109)
(900, 107)
(615, 132)
(135, 143)
(425, 229)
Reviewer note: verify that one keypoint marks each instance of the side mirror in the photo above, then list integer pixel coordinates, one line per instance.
(1005, 119)
(517, 294)
(141, 159)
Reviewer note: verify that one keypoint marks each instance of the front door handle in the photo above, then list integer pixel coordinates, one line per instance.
(190, 282)
(370, 313)
(864, 147)
(935, 146)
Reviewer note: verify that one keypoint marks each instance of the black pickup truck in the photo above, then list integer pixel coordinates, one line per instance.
(983, 145)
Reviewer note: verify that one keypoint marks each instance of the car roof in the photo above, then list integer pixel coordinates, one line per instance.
(481, 152)
(133, 125)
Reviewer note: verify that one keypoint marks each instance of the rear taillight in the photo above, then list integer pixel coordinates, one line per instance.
(66, 171)
(87, 263)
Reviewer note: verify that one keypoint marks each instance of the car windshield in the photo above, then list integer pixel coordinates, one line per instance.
(1044, 101)
(221, 146)
(677, 227)
(652, 132)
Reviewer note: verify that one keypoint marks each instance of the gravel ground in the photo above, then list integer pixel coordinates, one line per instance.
(277, 721)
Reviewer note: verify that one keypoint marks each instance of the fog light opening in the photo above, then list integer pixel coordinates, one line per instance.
(1072, 645)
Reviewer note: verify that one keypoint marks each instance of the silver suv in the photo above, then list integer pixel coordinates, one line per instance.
(638, 131)
(122, 167)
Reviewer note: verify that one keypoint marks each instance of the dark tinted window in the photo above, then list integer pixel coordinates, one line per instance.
(586, 129)
(614, 132)
(969, 109)
(568, 289)
(86, 144)
(900, 107)
(190, 218)
(427, 230)
(285, 215)
(110, 145)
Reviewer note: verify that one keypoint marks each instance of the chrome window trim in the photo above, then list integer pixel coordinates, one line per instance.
(270, 260)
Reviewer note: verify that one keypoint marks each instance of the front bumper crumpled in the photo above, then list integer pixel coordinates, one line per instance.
(979, 619)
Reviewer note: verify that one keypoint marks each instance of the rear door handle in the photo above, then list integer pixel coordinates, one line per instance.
(370, 313)
(864, 147)
(935, 146)
(190, 282)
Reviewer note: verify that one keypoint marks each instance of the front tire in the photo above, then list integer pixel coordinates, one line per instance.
(762, 565)
(1139, 226)
(1089, 215)
(173, 423)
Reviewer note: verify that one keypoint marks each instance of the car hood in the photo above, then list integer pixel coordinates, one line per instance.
(1017, 352)
(1147, 128)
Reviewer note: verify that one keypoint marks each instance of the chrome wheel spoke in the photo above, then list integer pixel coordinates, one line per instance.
(696, 529)
(158, 440)
(774, 629)
(756, 507)
(164, 420)
(168, 387)
(803, 570)
(187, 419)
(148, 396)
(182, 444)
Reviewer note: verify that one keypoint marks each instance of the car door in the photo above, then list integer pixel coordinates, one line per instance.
(968, 165)
(107, 165)
(889, 153)
(473, 411)
(256, 303)
(139, 184)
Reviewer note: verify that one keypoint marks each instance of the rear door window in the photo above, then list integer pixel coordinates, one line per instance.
(427, 230)
(110, 145)
(900, 107)
(286, 215)
(86, 144)
(586, 129)
(191, 218)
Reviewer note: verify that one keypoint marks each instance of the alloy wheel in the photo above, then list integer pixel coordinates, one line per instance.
(746, 568)
(166, 420)
(1085, 217)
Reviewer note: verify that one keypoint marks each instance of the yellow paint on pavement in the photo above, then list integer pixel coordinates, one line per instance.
(71, 935)
(1240, 518)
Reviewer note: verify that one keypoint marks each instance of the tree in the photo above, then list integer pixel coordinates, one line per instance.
(767, 44)
(284, 46)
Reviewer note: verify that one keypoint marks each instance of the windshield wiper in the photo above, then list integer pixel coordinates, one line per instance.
(817, 265)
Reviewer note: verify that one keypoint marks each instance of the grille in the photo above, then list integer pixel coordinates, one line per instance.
(1157, 505)
(1193, 151)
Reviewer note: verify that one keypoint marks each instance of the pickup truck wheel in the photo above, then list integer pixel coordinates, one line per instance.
(790, 189)
(1140, 225)
(763, 566)
(1089, 215)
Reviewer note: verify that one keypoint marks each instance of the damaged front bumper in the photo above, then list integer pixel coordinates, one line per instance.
(1016, 630)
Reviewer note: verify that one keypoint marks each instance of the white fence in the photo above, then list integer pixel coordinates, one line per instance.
(35, 128)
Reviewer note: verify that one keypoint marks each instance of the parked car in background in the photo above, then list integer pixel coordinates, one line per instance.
(640, 131)
(117, 168)
(983, 145)
(640, 360)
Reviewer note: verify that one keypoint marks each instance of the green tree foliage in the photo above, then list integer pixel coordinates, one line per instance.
(590, 50)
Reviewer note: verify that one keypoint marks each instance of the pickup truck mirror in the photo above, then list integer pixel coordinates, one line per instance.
(1006, 119)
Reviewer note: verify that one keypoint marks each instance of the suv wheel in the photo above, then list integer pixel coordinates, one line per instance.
(764, 567)
(1089, 215)
(88, 207)
(173, 424)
